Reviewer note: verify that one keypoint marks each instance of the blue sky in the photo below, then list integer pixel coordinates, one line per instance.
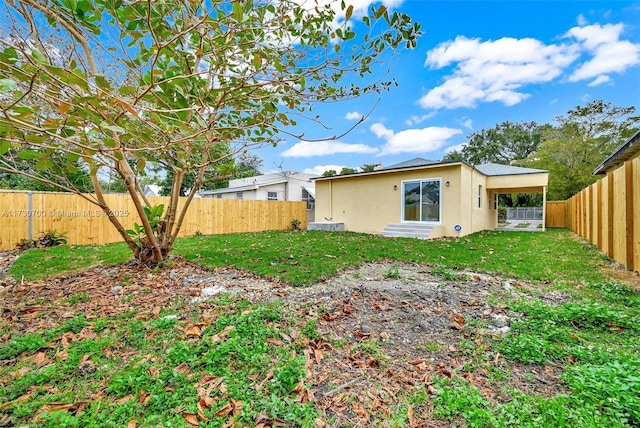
(478, 63)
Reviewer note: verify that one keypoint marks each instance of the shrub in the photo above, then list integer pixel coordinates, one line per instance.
(295, 224)
(47, 239)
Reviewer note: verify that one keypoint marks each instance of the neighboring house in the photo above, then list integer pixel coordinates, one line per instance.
(152, 190)
(279, 186)
(627, 151)
(423, 198)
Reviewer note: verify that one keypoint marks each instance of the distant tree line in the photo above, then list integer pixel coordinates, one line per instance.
(570, 150)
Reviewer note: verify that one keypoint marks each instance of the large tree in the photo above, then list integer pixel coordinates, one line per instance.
(504, 143)
(184, 84)
(580, 141)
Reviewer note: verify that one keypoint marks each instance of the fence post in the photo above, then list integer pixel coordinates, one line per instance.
(29, 211)
(630, 247)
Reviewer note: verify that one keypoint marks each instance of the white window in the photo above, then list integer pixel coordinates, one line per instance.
(272, 196)
(421, 200)
(239, 195)
(480, 196)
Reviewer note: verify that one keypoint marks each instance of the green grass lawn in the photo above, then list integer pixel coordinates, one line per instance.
(227, 362)
(302, 258)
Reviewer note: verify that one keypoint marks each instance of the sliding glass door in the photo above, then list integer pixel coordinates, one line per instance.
(421, 200)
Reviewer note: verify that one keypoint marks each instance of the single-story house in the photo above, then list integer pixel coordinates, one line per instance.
(421, 198)
(279, 186)
(627, 151)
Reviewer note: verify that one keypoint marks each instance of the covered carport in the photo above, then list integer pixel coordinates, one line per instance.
(506, 179)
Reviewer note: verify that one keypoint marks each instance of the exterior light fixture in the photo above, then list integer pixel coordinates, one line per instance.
(395, 187)
(447, 184)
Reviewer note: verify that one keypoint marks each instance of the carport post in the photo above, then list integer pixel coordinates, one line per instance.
(544, 208)
(30, 217)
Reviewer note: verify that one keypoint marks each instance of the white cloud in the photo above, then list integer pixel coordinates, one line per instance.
(319, 169)
(609, 53)
(353, 115)
(456, 148)
(497, 70)
(466, 122)
(413, 140)
(415, 120)
(381, 131)
(307, 149)
(600, 80)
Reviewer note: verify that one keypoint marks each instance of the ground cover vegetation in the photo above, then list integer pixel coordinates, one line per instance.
(299, 339)
(313, 256)
(95, 89)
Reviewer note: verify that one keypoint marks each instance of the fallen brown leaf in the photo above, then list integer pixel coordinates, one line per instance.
(183, 368)
(225, 331)
(225, 411)
(191, 419)
(125, 399)
(201, 414)
(360, 411)
(237, 406)
(194, 330)
(40, 359)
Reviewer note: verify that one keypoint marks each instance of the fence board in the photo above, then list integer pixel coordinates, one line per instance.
(619, 216)
(635, 188)
(85, 223)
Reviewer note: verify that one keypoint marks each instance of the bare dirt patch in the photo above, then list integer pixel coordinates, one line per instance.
(386, 328)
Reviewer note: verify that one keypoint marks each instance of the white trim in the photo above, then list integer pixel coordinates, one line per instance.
(402, 204)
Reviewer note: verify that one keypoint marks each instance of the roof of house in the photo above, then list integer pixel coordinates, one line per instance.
(410, 164)
(495, 169)
(623, 153)
(241, 188)
(488, 169)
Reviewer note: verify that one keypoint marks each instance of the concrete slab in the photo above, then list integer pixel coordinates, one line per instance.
(519, 225)
(329, 226)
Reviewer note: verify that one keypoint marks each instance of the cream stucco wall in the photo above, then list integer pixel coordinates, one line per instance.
(518, 183)
(368, 202)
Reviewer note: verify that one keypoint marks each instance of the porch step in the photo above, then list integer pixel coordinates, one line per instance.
(404, 230)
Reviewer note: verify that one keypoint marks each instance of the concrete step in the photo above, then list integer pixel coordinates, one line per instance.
(419, 231)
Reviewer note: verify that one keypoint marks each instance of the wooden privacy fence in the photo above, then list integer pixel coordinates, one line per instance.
(28, 214)
(555, 214)
(607, 213)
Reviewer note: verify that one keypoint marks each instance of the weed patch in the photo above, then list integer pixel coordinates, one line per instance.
(232, 365)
